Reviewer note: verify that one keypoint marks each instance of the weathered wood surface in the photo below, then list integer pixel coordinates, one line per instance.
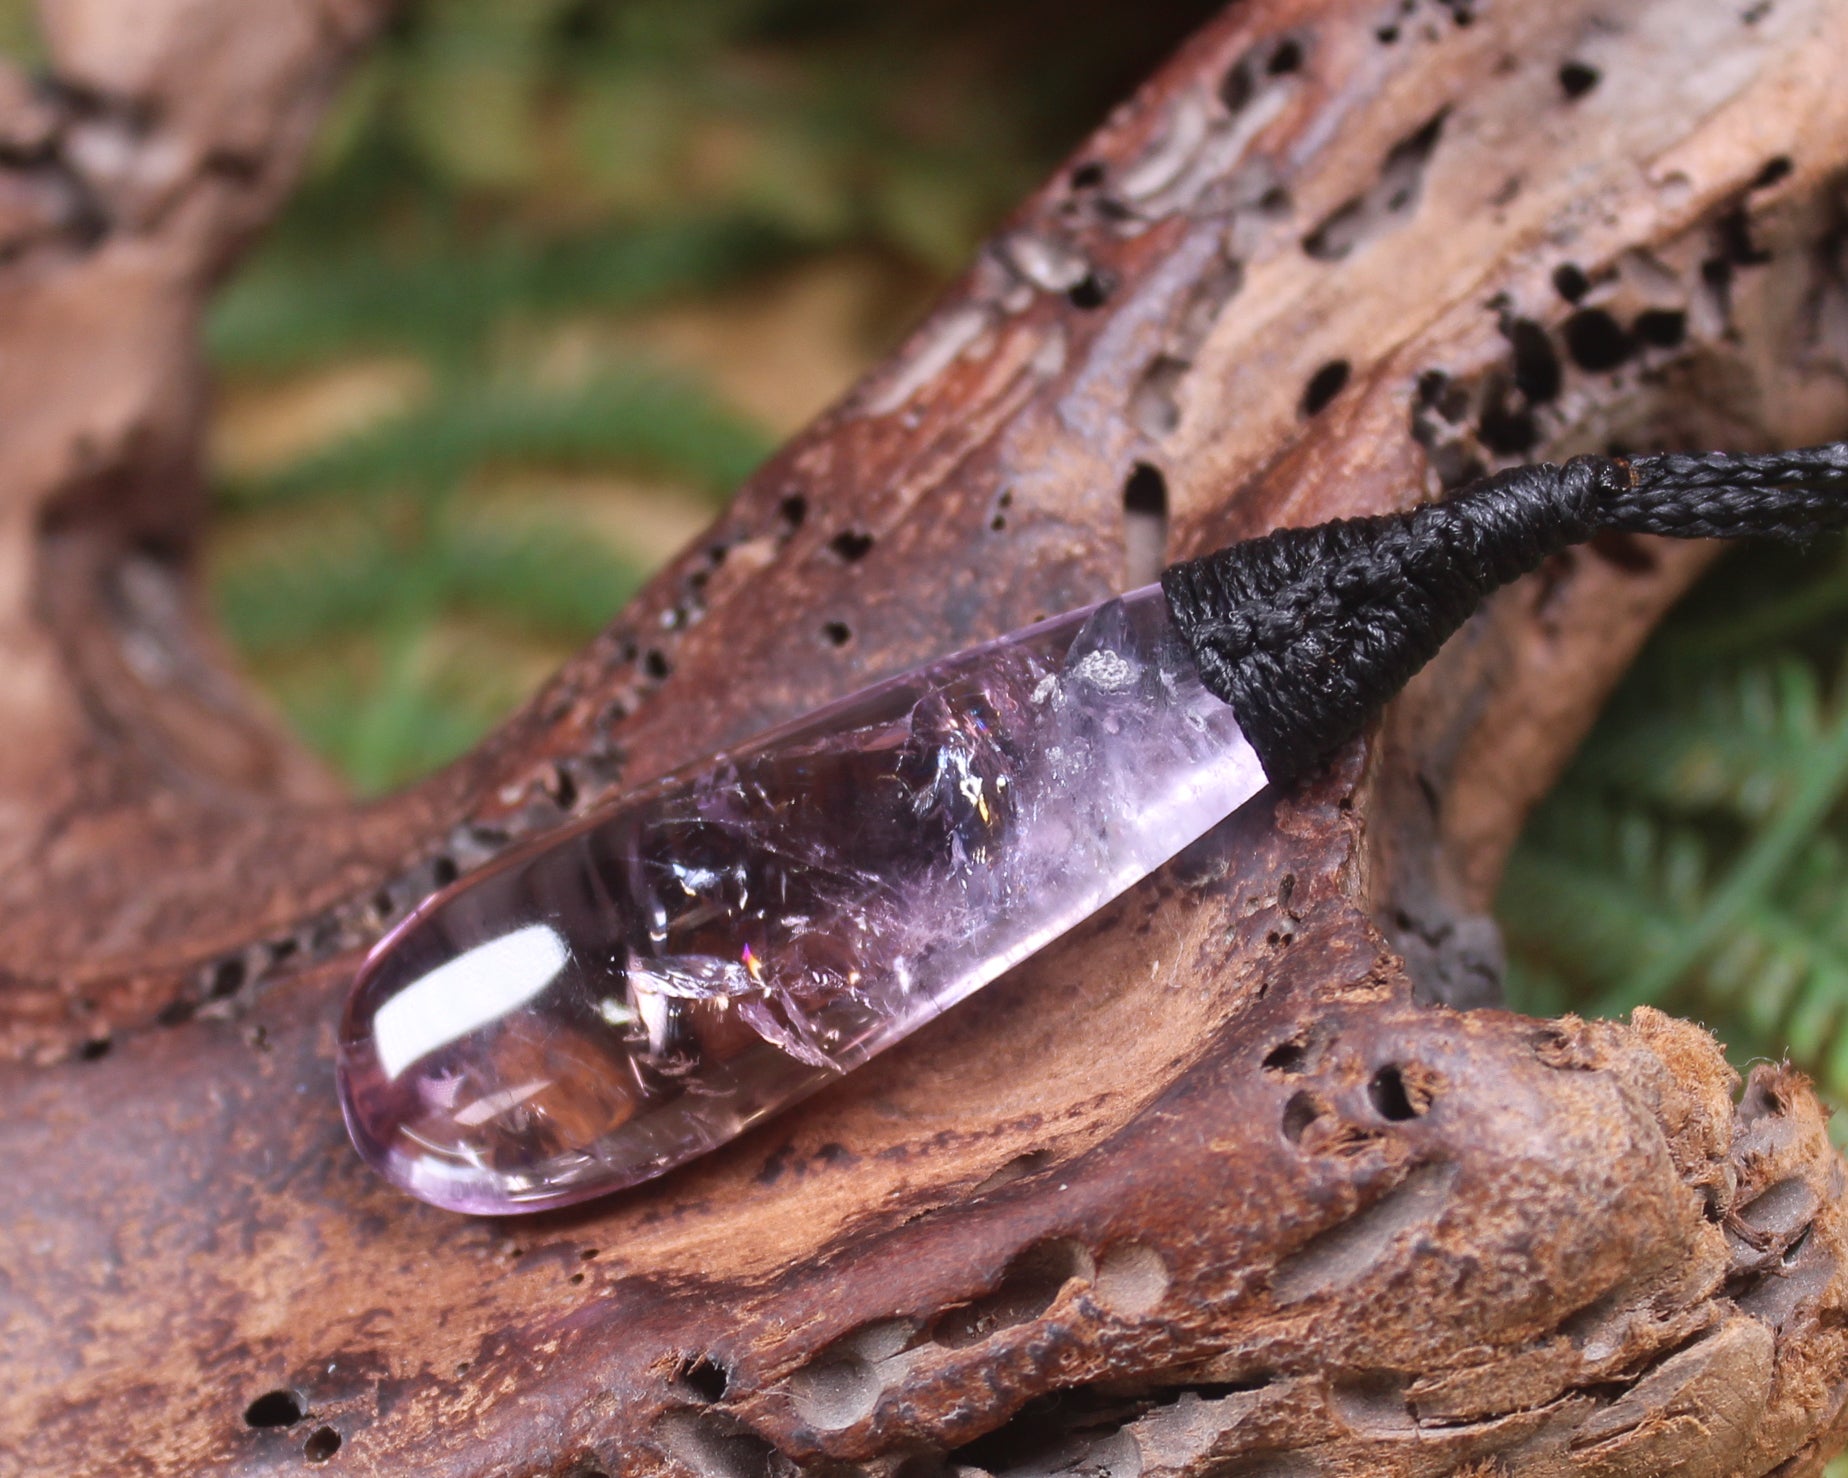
(1212, 1186)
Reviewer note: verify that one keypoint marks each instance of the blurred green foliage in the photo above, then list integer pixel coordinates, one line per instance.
(19, 36)
(503, 170)
(1695, 856)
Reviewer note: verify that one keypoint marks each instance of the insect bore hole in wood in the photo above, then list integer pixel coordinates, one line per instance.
(1092, 290)
(1596, 341)
(1570, 281)
(274, 1409)
(1145, 525)
(226, 980)
(1287, 58)
(1576, 79)
(1776, 168)
(1537, 372)
(1661, 328)
(1324, 385)
(1003, 501)
(1389, 1096)
(706, 1378)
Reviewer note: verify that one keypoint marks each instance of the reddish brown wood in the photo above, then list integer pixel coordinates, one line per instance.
(1211, 1186)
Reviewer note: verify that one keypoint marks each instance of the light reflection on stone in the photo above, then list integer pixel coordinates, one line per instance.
(475, 989)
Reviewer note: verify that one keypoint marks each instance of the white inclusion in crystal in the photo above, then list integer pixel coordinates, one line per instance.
(1107, 671)
(471, 991)
(690, 977)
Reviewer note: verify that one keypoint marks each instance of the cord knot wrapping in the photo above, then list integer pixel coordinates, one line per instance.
(1308, 632)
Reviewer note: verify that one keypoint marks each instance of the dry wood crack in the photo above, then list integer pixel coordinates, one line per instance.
(1267, 1202)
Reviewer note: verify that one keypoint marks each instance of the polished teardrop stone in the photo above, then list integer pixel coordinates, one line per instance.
(628, 993)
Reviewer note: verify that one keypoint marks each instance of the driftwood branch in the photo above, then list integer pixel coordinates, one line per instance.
(1222, 1184)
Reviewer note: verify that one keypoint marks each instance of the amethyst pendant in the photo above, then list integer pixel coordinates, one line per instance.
(622, 996)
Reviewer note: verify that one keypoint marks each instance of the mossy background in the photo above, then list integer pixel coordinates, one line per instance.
(565, 269)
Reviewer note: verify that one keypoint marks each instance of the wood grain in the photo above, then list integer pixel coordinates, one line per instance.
(1226, 1182)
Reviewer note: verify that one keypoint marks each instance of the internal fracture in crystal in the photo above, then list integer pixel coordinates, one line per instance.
(619, 998)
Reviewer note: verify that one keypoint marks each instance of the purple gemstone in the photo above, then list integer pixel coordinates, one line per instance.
(605, 1005)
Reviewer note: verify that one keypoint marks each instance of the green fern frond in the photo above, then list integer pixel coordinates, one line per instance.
(1787, 972)
(1819, 787)
(289, 311)
(548, 579)
(544, 579)
(1593, 897)
(1590, 913)
(383, 722)
(1732, 739)
(1694, 857)
(1763, 599)
(656, 423)
(322, 589)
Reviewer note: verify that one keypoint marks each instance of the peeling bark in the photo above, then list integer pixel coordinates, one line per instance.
(1226, 1182)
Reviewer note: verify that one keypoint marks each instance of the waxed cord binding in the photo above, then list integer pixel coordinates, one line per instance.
(1308, 632)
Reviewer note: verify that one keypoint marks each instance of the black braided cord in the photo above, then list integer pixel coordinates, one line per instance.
(1308, 632)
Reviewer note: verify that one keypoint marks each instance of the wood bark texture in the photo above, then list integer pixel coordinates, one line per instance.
(1247, 1176)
